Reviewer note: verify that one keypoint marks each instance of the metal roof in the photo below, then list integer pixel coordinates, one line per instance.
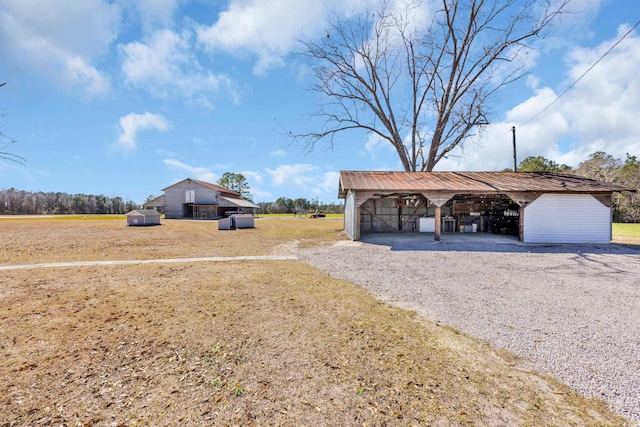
(215, 187)
(470, 182)
(143, 212)
(241, 203)
(158, 201)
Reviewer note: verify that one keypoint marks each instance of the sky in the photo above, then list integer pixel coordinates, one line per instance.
(125, 98)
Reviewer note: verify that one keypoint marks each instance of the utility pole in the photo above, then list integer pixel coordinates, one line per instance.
(515, 160)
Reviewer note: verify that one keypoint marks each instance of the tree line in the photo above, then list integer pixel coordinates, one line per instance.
(238, 183)
(299, 205)
(602, 167)
(18, 202)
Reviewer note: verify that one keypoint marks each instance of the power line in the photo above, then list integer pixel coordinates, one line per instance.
(583, 74)
(572, 84)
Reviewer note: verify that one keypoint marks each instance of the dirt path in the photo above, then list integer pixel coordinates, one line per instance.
(147, 261)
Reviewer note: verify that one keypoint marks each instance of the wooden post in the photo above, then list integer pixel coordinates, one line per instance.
(521, 223)
(357, 218)
(438, 222)
(438, 199)
(360, 198)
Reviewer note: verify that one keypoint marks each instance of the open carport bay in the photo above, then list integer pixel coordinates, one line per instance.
(572, 311)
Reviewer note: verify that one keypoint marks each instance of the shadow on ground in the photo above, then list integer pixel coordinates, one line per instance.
(485, 242)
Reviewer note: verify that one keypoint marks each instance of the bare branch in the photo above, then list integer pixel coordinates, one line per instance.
(424, 85)
(5, 142)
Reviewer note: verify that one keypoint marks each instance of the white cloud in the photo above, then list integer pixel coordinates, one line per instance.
(260, 195)
(602, 109)
(132, 123)
(188, 171)
(253, 178)
(155, 12)
(299, 175)
(375, 144)
(164, 65)
(265, 29)
(278, 153)
(598, 114)
(58, 41)
(328, 184)
(305, 179)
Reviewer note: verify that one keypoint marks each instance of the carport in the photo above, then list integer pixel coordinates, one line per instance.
(559, 208)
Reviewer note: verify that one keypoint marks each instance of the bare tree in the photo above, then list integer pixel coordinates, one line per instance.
(421, 78)
(5, 142)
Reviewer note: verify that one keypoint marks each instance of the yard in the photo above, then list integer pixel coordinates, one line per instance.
(237, 342)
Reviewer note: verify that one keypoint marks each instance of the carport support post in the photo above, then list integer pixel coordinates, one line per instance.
(437, 200)
(522, 199)
(437, 225)
(360, 198)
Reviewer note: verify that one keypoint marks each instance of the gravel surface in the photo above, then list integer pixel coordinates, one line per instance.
(570, 311)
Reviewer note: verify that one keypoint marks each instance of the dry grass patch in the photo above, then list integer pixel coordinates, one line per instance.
(243, 343)
(41, 240)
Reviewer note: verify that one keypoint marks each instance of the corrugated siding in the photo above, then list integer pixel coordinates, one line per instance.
(350, 215)
(174, 197)
(567, 218)
(205, 196)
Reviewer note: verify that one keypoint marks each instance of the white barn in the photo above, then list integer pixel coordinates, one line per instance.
(191, 198)
(538, 207)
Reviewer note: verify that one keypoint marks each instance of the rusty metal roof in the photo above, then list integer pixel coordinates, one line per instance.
(470, 182)
(214, 187)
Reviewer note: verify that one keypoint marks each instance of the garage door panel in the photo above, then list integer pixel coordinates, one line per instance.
(567, 218)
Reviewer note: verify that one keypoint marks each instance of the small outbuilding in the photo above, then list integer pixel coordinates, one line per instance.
(236, 221)
(242, 221)
(143, 217)
(538, 207)
(224, 224)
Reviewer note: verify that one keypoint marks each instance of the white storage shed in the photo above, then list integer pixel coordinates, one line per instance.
(143, 217)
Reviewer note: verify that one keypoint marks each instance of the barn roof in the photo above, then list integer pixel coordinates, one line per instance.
(470, 182)
(158, 201)
(215, 187)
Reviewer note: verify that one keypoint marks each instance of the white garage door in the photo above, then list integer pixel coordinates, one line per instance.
(567, 218)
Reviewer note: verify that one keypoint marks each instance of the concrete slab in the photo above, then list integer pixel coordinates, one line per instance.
(416, 240)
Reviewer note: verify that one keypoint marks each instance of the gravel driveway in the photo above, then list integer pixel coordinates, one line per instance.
(571, 311)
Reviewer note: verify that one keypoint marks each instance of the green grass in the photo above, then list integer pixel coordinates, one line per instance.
(626, 230)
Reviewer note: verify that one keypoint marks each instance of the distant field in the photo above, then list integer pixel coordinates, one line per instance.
(630, 230)
(61, 217)
(626, 233)
(288, 215)
(117, 217)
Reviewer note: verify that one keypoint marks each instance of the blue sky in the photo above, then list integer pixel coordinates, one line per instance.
(125, 98)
